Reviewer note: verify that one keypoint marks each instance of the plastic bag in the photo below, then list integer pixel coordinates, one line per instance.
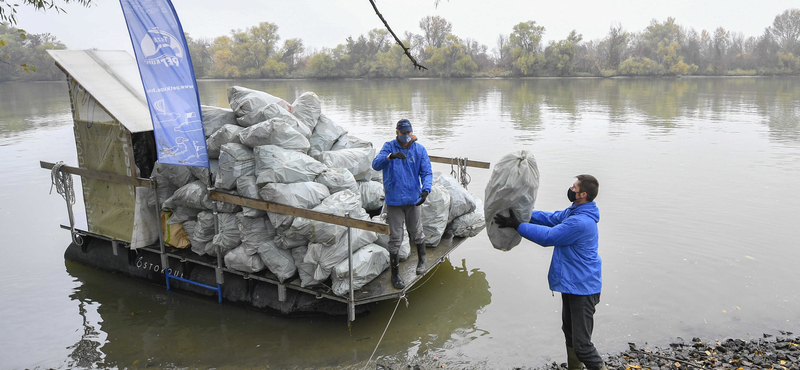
(348, 141)
(235, 160)
(176, 175)
(325, 257)
(225, 207)
(215, 117)
(254, 231)
(226, 134)
(304, 269)
(357, 160)
(243, 100)
(238, 260)
(436, 214)
(192, 195)
(227, 237)
(372, 195)
(383, 239)
(204, 229)
(274, 111)
(279, 261)
(145, 222)
(274, 132)
(326, 132)
(246, 187)
(205, 174)
(183, 214)
(461, 201)
(470, 224)
(337, 179)
(339, 204)
(368, 262)
(513, 185)
(300, 194)
(307, 109)
(275, 164)
(164, 188)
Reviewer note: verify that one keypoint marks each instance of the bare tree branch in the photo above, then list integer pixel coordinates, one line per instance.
(405, 49)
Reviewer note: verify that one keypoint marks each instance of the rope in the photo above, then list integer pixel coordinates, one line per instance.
(62, 181)
(402, 297)
(458, 169)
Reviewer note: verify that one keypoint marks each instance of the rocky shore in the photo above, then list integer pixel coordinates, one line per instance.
(769, 352)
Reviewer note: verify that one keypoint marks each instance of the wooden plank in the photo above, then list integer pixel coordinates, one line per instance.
(300, 212)
(470, 163)
(105, 176)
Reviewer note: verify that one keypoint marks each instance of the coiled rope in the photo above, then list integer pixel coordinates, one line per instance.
(62, 181)
(458, 169)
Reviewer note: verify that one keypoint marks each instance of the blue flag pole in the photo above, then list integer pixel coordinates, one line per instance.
(169, 82)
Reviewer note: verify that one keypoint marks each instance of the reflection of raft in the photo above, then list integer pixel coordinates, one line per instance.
(116, 152)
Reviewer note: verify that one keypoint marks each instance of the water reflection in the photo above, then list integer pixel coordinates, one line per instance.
(29, 106)
(127, 322)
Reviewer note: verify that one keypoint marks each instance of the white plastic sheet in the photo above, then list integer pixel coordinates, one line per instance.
(368, 262)
(513, 185)
(275, 164)
(145, 222)
(436, 214)
(276, 131)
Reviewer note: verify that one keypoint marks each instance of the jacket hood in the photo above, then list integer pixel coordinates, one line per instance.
(589, 209)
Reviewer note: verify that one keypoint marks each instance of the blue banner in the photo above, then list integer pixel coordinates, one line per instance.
(169, 82)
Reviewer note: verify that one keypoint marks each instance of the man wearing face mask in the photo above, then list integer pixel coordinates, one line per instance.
(575, 266)
(407, 181)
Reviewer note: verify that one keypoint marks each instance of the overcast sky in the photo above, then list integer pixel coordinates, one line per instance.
(327, 23)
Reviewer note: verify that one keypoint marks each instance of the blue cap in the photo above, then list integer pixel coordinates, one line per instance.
(404, 126)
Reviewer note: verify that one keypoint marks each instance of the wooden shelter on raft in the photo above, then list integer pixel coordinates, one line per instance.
(115, 157)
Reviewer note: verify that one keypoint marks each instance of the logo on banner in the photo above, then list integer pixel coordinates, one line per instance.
(161, 47)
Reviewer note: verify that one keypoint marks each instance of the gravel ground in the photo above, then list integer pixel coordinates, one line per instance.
(770, 352)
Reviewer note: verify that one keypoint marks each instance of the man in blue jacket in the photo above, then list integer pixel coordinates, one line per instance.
(575, 267)
(407, 181)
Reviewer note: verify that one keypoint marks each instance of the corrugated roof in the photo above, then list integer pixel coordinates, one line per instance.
(112, 77)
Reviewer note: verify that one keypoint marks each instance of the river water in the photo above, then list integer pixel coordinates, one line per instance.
(698, 229)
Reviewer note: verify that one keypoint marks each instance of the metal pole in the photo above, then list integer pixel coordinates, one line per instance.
(218, 270)
(164, 258)
(351, 306)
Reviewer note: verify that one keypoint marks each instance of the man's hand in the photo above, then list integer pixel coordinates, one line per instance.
(397, 155)
(422, 196)
(506, 221)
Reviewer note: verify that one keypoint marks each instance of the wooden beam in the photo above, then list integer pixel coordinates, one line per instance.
(470, 163)
(300, 212)
(105, 176)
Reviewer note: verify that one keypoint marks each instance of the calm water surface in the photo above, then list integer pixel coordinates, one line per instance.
(697, 233)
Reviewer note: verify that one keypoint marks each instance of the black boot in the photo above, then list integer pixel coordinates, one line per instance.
(421, 265)
(394, 262)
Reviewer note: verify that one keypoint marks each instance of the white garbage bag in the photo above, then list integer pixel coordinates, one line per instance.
(348, 141)
(472, 223)
(192, 195)
(326, 132)
(189, 226)
(145, 221)
(276, 131)
(203, 230)
(341, 203)
(244, 101)
(225, 207)
(235, 160)
(237, 259)
(182, 214)
(226, 134)
(205, 174)
(228, 235)
(304, 269)
(436, 214)
(337, 179)
(461, 201)
(254, 231)
(307, 108)
(300, 194)
(325, 257)
(274, 111)
(246, 187)
(164, 187)
(215, 117)
(513, 185)
(176, 175)
(368, 262)
(383, 239)
(372, 194)
(279, 261)
(275, 164)
(358, 160)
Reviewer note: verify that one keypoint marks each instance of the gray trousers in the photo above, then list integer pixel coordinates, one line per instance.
(411, 216)
(577, 319)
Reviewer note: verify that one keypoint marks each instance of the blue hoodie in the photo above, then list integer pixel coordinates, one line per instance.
(402, 177)
(575, 267)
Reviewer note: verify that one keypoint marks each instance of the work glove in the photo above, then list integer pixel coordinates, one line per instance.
(422, 196)
(397, 155)
(506, 221)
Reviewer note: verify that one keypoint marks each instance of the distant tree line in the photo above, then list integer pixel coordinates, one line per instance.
(661, 49)
(23, 56)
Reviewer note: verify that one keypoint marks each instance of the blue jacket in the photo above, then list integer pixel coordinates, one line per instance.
(575, 267)
(402, 177)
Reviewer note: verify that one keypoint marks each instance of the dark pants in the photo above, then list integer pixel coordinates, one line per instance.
(577, 318)
(411, 216)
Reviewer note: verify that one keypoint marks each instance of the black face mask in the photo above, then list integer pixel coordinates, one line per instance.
(571, 195)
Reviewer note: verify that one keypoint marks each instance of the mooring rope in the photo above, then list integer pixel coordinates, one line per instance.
(62, 181)
(458, 169)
